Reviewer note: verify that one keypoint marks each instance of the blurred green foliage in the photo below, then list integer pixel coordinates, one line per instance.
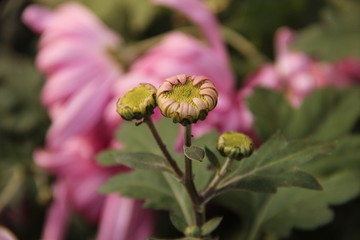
(326, 114)
(337, 35)
(327, 29)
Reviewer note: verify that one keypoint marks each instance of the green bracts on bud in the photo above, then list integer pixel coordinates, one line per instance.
(137, 103)
(186, 99)
(235, 145)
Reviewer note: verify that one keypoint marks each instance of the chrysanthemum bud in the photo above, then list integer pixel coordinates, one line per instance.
(137, 103)
(186, 99)
(235, 145)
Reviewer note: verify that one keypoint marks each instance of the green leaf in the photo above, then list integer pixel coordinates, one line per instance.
(194, 153)
(291, 208)
(336, 36)
(271, 111)
(296, 212)
(275, 165)
(159, 190)
(211, 225)
(319, 115)
(345, 156)
(143, 140)
(212, 158)
(325, 114)
(136, 160)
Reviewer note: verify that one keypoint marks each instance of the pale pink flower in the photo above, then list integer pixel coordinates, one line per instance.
(349, 70)
(116, 210)
(73, 54)
(6, 234)
(80, 78)
(295, 74)
(182, 53)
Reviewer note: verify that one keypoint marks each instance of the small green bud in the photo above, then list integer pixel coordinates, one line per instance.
(186, 99)
(192, 231)
(137, 103)
(235, 145)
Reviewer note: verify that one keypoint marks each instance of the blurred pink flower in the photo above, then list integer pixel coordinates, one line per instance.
(73, 54)
(296, 74)
(182, 53)
(80, 76)
(6, 234)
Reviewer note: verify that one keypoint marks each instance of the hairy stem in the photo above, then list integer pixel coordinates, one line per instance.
(211, 188)
(163, 148)
(198, 207)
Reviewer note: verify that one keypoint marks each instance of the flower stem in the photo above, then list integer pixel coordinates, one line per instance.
(198, 207)
(163, 148)
(211, 188)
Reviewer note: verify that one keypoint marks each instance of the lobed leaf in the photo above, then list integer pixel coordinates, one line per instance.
(136, 160)
(159, 190)
(326, 114)
(336, 36)
(271, 111)
(275, 165)
(319, 115)
(291, 208)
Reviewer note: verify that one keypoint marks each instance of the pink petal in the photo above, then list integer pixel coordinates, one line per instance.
(6, 234)
(58, 214)
(36, 17)
(197, 12)
(123, 219)
(82, 112)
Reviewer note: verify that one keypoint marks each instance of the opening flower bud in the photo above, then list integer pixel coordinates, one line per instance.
(137, 103)
(186, 99)
(235, 145)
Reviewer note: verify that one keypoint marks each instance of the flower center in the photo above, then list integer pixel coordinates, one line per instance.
(234, 139)
(185, 92)
(137, 96)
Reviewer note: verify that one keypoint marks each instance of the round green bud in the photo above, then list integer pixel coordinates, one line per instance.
(186, 99)
(192, 231)
(137, 103)
(235, 145)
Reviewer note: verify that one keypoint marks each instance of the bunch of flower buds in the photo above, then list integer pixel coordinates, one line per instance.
(184, 99)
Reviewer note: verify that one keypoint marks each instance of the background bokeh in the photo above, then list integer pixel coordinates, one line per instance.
(328, 30)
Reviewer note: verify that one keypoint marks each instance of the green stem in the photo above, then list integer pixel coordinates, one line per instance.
(211, 188)
(163, 148)
(198, 207)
